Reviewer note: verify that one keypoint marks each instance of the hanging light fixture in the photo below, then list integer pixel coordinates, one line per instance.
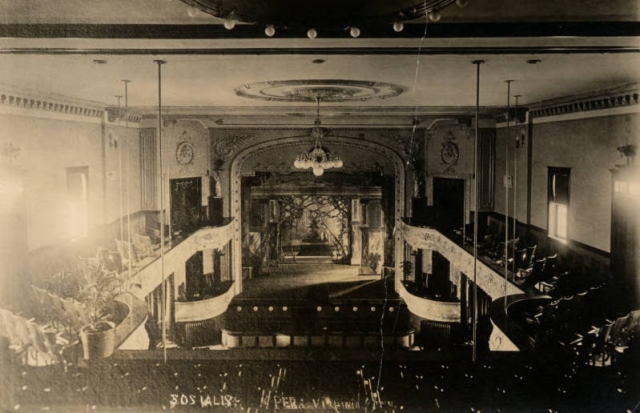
(318, 158)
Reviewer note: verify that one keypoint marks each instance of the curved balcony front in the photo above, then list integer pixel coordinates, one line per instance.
(487, 278)
(432, 310)
(148, 278)
(201, 310)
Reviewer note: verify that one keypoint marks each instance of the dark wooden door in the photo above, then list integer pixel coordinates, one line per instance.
(186, 201)
(448, 203)
(194, 274)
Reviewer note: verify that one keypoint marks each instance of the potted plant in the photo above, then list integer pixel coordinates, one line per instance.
(98, 337)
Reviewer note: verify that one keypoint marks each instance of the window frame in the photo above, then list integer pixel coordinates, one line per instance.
(554, 205)
(79, 207)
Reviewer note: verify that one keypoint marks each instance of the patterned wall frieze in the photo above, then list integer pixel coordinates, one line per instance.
(223, 148)
(117, 115)
(607, 102)
(227, 142)
(54, 104)
(520, 115)
(409, 146)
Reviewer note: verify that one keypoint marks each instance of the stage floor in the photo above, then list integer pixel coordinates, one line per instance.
(318, 282)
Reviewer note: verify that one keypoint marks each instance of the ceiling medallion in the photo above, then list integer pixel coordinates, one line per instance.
(327, 90)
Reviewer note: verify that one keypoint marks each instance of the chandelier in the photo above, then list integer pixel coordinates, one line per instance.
(318, 158)
(321, 16)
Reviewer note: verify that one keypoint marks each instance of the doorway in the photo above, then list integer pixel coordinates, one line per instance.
(186, 200)
(448, 203)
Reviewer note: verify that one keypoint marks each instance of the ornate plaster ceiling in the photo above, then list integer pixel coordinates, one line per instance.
(326, 90)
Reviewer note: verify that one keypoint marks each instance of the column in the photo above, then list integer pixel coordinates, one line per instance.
(356, 242)
(455, 277)
(464, 305)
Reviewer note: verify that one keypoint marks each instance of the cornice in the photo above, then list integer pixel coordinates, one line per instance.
(115, 115)
(610, 101)
(288, 111)
(611, 98)
(59, 104)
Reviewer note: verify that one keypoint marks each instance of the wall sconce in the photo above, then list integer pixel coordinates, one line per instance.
(113, 140)
(628, 151)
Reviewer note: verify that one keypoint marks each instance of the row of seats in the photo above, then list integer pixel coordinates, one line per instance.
(233, 339)
(33, 343)
(540, 271)
(126, 253)
(579, 323)
(337, 317)
(608, 343)
(612, 340)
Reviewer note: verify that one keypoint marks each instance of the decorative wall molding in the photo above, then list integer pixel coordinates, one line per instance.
(56, 105)
(522, 114)
(605, 102)
(115, 115)
(612, 101)
(409, 145)
(223, 148)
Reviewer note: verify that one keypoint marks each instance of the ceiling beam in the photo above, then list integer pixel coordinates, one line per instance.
(248, 31)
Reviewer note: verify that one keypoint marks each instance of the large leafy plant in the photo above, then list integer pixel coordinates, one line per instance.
(100, 288)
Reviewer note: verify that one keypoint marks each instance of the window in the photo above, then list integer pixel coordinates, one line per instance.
(78, 198)
(558, 199)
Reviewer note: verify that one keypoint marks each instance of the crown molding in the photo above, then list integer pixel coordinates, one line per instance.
(597, 100)
(617, 100)
(19, 101)
(114, 115)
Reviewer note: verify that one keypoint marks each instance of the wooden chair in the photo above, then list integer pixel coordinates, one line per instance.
(143, 245)
(535, 273)
(521, 259)
(550, 267)
(531, 254)
(123, 249)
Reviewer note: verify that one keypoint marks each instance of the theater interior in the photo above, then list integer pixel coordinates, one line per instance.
(319, 206)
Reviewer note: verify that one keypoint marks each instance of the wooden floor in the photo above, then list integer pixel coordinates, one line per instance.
(316, 281)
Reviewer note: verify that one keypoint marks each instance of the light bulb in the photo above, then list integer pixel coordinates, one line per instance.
(312, 33)
(297, 163)
(229, 24)
(339, 163)
(398, 27)
(270, 30)
(354, 32)
(462, 3)
(193, 11)
(317, 171)
(434, 16)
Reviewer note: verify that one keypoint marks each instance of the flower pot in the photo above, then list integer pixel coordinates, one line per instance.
(98, 341)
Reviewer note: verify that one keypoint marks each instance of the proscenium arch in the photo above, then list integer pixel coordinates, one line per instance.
(235, 204)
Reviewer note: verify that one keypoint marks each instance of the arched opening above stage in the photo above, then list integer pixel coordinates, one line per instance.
(344, 217)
